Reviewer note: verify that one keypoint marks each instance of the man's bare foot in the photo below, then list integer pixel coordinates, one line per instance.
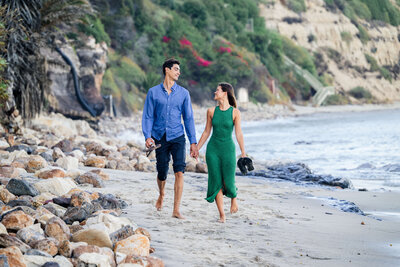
(234, 206)
(222, 219)
(159, 202)
(178, 215)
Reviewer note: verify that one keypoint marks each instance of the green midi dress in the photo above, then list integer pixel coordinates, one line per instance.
(221, 156)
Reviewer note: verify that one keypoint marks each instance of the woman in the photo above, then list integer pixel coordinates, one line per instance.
(220, 154)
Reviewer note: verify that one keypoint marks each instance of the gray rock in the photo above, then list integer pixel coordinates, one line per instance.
(20, 147)
(8, 241)
(4, 261)
(62, 201)
(110, 202)
(36, 252)
(122, 233)
(19, 202)
(20, 187)
(78, 213)
(47, 155)
(51, 264)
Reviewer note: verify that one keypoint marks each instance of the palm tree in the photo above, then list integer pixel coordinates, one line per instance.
(28, 24)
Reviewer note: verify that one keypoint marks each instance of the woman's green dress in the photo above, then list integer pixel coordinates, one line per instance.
(221, 156)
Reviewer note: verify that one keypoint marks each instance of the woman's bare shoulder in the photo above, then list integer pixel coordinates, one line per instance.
(210, 111)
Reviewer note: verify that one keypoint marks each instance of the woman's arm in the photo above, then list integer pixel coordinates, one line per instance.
(238, 131)
(207, 130)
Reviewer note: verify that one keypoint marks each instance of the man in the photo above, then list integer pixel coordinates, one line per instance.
(163, 110)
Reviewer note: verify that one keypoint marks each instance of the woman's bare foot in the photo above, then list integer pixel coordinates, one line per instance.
(222, 219)
(159, 202)
(178, 215)
(234, 205)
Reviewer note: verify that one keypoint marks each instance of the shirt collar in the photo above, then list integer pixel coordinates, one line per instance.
(173, 88)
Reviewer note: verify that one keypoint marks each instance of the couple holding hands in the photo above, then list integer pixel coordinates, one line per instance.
(165, 106)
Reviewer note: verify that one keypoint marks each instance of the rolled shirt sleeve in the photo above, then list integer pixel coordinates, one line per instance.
(187, 114)
(148, 115)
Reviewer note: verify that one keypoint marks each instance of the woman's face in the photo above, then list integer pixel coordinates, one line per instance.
(219, 94)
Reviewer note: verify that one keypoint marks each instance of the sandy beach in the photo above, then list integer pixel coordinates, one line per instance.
(278, 224)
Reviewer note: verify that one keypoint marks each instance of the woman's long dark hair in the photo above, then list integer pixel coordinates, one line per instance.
(226, 87)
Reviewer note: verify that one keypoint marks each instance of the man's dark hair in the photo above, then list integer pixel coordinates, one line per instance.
(169, 63)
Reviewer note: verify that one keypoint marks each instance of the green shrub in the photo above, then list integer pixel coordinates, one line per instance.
(336, 99)
(360, 93)
(346, 36)
(299, 55)
(372, 62)
(364, 36)
(94, 27)
(297, 6)
(383, 10)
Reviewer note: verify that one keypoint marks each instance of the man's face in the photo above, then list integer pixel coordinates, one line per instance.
(174, 72)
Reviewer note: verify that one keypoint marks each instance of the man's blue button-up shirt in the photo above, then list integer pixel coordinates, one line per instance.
(162, 113)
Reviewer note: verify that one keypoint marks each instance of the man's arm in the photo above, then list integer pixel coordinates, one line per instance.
(148, 117)
(189, 125)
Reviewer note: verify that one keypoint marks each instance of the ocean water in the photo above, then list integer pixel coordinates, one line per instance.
(361, 146)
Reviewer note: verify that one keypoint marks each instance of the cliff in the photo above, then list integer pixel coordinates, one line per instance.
(338, 43)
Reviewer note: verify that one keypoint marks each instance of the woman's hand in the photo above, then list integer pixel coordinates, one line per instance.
(243, 155)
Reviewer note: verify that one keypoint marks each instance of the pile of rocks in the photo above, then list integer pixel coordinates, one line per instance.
(46, 219)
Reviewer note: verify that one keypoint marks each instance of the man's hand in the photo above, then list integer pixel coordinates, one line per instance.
(194, 152)
(150, 142)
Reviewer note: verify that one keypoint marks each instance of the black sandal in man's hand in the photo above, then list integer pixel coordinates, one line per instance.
(150, 149)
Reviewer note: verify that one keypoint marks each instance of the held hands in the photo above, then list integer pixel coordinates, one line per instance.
(194, 151)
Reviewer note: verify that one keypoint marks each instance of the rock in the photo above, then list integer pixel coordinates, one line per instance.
(68, 163)
(51, 264)
(299, 172)
(57, 229)
(95, 249)
(3, 229)
(126, 165)
(142, 231)
(62, 201)
(64, 248)
(26, 148)
(40, 261)
(137, 245)
(93, 237)
(122, 233)
(94, 148)
(78, 213)
(8, 241)
(20, 163)
(14, 256)
(29, 235)
(36, 163)
(64, 145)
(75, 228)
(50, 173)
(74, 173)
(9, 172)
(190, 165)
(55, 209)
(20, 202)
(57, 153)
(4, 261)
(112, 223)
(42, 198)
(6, 196)
(21, 187)
(90, 178)
(77, 154)
(17, 154)
(17, 220)
(142, 261)
(55, 186)
(36, 252)
(47, 155)
(110, 202)
(78, 198)
(93, 259)
(112, 164)
(96, 161)
(201, 167)
(142, 163)
(104, 176)
(47, 245)
(3, 144)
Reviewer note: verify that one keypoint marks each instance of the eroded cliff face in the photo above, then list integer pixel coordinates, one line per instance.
(320, 30)
(90, 63)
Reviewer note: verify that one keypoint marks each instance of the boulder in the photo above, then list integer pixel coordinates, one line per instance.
(137, 245)
(47, 245)
(9, 241)
(78, 213)
(93, 237)
(50, 173)
(57, 153)
(6, 196)
(57, 229)
(142, 261)
(17, 220)
(20, 163)
(36, 163)
(29, 235)
(14, 256)
(90, 178)
(40, 261)
(95, 161)
(68, 163)
(9, 172)
(55, 186)
(104, 176)
(20, 187)
(64, 145)
(78, 198)
(112, 223)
